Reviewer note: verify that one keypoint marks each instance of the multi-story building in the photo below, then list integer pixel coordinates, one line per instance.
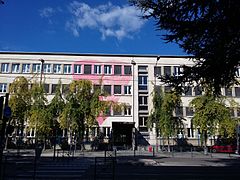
(129, 79)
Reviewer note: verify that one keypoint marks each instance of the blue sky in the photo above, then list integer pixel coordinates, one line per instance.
(79, 26)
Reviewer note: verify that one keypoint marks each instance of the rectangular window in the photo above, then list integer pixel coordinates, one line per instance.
(46, 88)
(237, 91)
(143, 124)
(87, 69)
(179, 111)
(47, 68)
(107, 69)
(117, 89)
(189, 111)
(127, 70)
(143, 108)
(127, 90)
(228, 92)
(142, 68)
(3, 87)
(25, 68)
(157, 71)
(167, 70)
(65, 88)
(238, 72)
(198, 90)
(5, 68)
(77, 68)
(117, 112)
(97, 69)
(97, 87)
(187, 91)
(107, 89)
(128, 111)
(67, 68)
(178, 71)
(16, 68)
(117, 69)
(54, 88)
(143, 100)
(142, 82)
(36, 68)
(57, 68)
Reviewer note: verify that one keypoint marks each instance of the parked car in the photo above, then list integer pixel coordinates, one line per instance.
(223, 148)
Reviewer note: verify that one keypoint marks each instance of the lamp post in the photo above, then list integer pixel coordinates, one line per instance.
(133, 113)
(155, 89)
(41, 73)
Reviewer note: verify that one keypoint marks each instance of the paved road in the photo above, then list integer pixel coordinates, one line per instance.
(142, 166)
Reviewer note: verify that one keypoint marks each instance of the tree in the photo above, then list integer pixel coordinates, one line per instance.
(19, 102)
(162, 114)
(39, 116)
(208, 30)
(212, 116)
(82, 108)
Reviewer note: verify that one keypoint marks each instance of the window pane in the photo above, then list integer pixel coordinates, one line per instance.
(237, 91)
(188, 91)
(54, 88)
(127, 70)
(167, 70)
(47, 68)
(3, 87)
(198, 90)
(189, 111)
(67, 68)
(127, 89)
(15, 68)
(117, 69)
(157, 71)
(36, 68)
(107, 69)
(87, 69)
(179, 111)
(96, 87)
(77, 69)
(57, 68)
(117, 89)
(117, 112)
(65, 88)
(107, 89)
(46, 88)
(26, 68)
(177, 71)
(228, 92)
(5, 68)
(97, 69)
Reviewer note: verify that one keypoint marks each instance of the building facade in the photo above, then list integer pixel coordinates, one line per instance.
(128, 79)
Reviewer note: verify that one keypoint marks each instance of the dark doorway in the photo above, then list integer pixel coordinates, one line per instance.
(122, 134)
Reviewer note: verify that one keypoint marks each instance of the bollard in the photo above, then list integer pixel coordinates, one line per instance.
(153, 150)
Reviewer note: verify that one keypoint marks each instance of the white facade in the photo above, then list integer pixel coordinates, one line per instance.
(129, 79)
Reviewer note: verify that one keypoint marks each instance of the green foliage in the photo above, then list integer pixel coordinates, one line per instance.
(82, 106)
(212, 116)
(20, 100)
(208, 30)
(162, 114)
(39, 116)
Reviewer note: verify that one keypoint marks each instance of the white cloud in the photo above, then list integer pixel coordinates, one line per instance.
(46, 12)
(109, 20)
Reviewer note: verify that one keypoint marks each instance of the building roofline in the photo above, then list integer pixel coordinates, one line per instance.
(94, 54)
